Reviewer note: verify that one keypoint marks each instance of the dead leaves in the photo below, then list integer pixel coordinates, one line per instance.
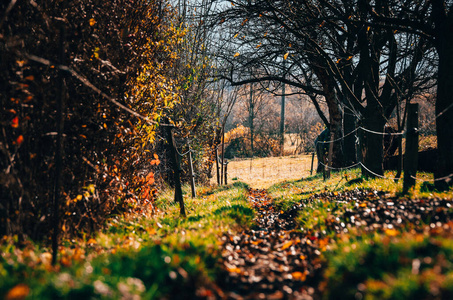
(18, 292)
(273, 257)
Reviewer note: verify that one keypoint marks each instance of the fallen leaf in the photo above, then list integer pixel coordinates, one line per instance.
(391, 232)
(18, 292)
(287, 245)
(15, 122)
(299, 276)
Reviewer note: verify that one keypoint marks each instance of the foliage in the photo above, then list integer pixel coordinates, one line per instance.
(237, 143)
(101, 59)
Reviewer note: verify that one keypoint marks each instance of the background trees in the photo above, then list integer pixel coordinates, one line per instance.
(348, 52)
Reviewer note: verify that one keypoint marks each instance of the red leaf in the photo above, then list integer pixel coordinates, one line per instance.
(15, 122)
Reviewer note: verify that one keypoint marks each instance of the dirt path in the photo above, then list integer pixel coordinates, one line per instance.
(271, 261)
(274, 261)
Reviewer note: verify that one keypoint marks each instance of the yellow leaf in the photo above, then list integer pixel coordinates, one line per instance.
(234, 269)
(287, 245)
(91, 241)
(391, 232)
(286, 55)
(92, 22)
(237, 54)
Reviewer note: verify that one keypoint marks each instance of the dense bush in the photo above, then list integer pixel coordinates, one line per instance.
(98, 57)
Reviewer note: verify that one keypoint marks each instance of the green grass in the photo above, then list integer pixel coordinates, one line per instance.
(163, 256)
(409, 266)
(395, 264)
(170, 256)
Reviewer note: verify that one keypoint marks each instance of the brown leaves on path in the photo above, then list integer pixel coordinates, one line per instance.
(271, 261)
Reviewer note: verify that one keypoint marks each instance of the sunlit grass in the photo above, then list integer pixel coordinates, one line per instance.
(141, 255)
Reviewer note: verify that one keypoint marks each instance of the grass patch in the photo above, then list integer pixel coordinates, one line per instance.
(409, 266)
(410, 261)
(149, 257)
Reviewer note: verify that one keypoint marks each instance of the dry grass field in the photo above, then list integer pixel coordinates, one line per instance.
(264, 172)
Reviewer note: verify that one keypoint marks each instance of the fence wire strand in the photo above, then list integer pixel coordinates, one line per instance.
(433, 180)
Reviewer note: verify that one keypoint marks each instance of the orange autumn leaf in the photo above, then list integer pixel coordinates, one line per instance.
(234, 269)
(150, 178)
(286, 55)
(20, 139)
(391, 232)
(15, 122)
(287, 245)
(18, 292)
(299, 276)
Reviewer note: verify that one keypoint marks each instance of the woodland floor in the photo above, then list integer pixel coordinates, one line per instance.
(277, 260)
(341, 238)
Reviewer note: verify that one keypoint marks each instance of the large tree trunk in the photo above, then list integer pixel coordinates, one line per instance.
(372, 144)
(335, 115)
(349, 146)
(444, 123)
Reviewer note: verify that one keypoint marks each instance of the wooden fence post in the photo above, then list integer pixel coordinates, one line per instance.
(411, 155)
(192, 175)
(330, 155)
(217, 165)
(223, 155)
(226, 172)
(176, 169)
(312, 160)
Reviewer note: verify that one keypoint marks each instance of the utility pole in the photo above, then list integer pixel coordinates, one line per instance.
(252, 117)
(282, 114)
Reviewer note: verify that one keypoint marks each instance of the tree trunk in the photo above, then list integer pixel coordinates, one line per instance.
(349, 145)
(444, 102)
(335, 115)
(372, 144)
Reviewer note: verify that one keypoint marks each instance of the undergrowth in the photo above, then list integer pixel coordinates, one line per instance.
(150, 257)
